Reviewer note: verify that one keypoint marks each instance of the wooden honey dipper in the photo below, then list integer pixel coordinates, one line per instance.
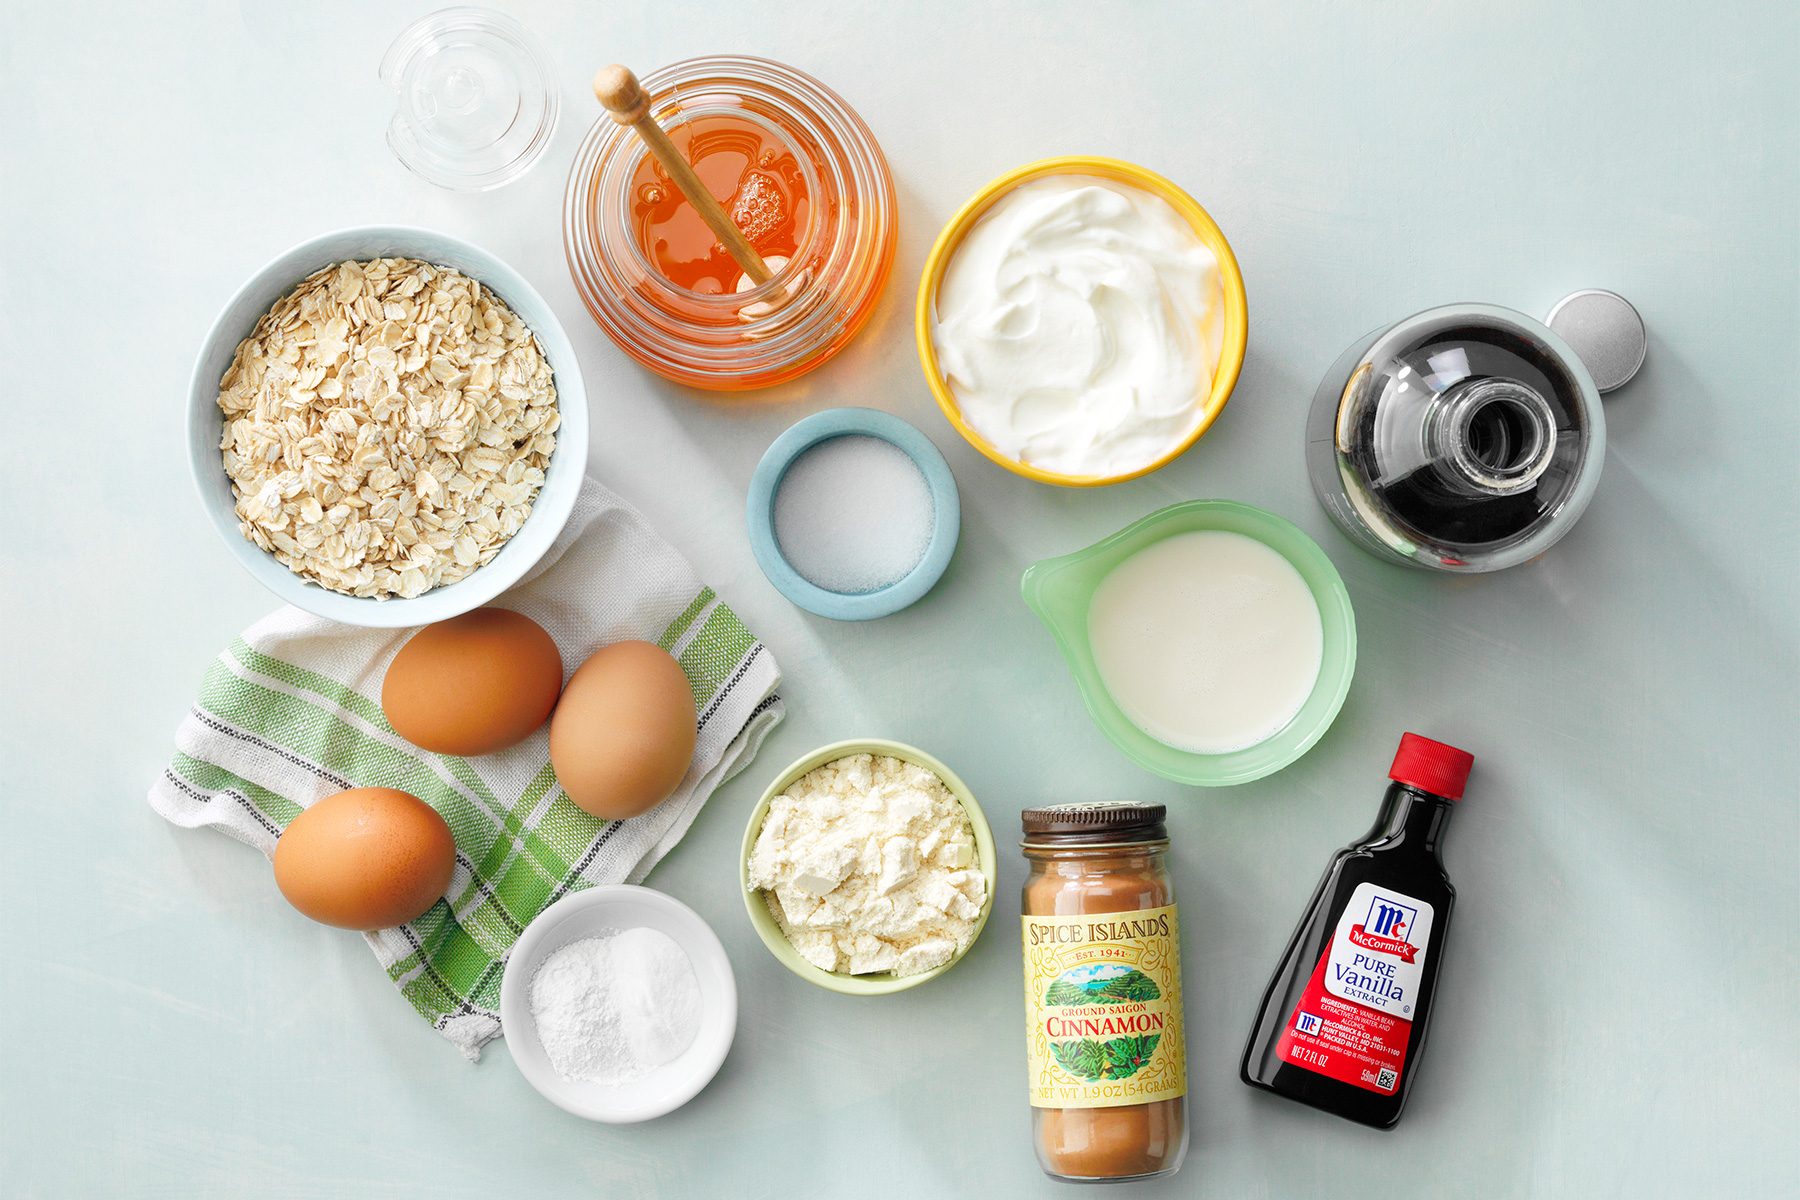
(620, 93)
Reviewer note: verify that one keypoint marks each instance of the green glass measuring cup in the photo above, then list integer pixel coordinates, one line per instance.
(1060, 591)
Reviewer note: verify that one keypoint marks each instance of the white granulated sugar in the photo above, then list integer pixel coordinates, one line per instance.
(868, 864)
(612, 1008)
(853, 514)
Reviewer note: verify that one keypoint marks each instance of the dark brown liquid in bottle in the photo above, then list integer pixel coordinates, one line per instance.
(1399, 854)
(1433, 499)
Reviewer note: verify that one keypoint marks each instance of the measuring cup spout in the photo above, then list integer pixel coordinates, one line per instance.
(1056, 590)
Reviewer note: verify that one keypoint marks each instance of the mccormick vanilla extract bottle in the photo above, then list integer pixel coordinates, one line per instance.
(1343, 1023)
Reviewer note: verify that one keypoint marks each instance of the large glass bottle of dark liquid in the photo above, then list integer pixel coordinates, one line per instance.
(1343, 1022)
(1466, 438)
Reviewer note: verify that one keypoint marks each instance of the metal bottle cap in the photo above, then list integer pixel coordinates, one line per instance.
(1605, 331)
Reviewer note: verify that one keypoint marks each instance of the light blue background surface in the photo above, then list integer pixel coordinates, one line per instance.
(1617, 1012)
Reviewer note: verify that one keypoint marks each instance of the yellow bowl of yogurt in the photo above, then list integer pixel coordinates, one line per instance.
(1081, 321)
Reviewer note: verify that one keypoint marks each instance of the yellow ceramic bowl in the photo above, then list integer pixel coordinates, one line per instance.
(1237, 322)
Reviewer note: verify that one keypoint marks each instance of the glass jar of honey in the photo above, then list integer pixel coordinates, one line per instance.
(1105, 1046)
(798, 173)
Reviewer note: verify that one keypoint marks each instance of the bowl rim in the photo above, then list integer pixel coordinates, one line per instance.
(803, 435)
(1237, 321)
(552, 507)
(1337, 616)
(515, 1006)
(763, 921)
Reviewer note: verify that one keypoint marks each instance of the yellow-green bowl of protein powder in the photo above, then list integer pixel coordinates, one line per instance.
(868, 868)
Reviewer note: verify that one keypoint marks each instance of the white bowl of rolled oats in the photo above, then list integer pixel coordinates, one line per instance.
(388, 426)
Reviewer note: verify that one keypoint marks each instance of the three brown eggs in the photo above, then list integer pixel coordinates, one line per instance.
(622, 733)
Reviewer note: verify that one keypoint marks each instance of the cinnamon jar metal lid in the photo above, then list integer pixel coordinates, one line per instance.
(1109, 822)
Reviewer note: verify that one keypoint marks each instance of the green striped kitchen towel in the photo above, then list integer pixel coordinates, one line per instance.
(289, 714)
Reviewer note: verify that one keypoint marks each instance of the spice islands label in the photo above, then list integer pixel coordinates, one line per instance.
(1103, 1009)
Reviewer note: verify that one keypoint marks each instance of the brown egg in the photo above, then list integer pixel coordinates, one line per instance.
(624, 730)
(473, 684)
(367, 858)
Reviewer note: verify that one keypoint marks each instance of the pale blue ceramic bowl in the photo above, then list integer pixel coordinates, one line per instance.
(562, 480)
(840, 422)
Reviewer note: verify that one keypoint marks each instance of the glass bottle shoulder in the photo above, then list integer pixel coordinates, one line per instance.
(1390, 862)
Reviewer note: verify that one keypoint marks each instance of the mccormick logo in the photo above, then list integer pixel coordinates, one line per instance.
(1386, 927)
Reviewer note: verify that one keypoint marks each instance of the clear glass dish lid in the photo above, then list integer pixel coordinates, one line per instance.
(476, 99)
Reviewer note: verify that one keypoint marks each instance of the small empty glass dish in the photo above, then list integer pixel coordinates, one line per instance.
(477, 101)
(1061, 592)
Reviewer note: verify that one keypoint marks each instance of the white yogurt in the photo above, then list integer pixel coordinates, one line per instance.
(1209, 641)
(1079, 325)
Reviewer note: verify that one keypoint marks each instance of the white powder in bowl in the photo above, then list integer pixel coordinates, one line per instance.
(868, 864)
(853, 514)
(612, 1008)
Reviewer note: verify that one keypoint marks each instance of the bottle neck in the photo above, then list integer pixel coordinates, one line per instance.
(1491, 437)
(1411, 818)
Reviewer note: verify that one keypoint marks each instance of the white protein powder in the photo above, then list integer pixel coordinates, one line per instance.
(868, 864)
(611, 1008)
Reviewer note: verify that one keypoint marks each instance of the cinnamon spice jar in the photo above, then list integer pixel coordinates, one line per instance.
(1104, 1040)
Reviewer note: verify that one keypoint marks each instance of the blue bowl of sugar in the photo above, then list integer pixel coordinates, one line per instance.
(853, 514)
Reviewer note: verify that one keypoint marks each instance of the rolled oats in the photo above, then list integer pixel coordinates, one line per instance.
(387, 425)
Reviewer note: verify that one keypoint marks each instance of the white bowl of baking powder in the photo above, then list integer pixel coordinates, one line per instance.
(604, 912)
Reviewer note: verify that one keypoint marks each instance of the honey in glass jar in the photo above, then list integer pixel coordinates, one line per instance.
(756, 178)
(797, 172)
(1105, 1046)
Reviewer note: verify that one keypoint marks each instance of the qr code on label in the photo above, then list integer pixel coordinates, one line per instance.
(1385, 1080)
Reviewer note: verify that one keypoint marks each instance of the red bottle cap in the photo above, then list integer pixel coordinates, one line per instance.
(1431, 766)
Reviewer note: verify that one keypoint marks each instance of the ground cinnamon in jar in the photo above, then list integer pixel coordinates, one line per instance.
(1104, 1041)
